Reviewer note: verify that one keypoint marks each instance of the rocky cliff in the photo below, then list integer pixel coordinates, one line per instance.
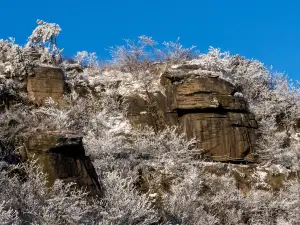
(205, 107)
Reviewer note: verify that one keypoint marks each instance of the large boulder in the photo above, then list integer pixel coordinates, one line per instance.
(62, 156)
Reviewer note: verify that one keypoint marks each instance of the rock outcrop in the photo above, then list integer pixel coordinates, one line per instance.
(62, 156)
(44, 83)
(205, 107)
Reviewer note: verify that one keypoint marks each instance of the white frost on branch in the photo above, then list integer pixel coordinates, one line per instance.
(43, 33)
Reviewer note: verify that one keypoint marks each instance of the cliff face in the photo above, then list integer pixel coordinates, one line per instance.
(204, 107)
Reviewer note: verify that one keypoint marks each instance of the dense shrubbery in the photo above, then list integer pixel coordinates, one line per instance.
(150, 177)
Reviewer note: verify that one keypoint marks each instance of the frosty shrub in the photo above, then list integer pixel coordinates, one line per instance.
(43, 40)
(203, 198)
(44, 33)
(86, 59)
(138, 56)
(174, 52)
(41, 49)
(26, 197)
(139, 147)
(123, 204)
(11, 58)
(133, 57)
(8, 216)
(262, 207)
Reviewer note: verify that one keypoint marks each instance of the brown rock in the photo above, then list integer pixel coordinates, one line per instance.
(206, 109)
(138, 111)
(46, 82)
(204, 93)
(62, 156)
(222, 136)
(151, 111)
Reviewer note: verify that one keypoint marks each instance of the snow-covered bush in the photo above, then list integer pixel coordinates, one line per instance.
(140, 147)
(138, 56)
(123, 204)
(12, 61)
(203, 198)
(44, 33)
(174, 52)
(263, 207)
(24, 193)
(86, 59)
(133, 57)
(43, 40)
(16, 61)
(8, 216)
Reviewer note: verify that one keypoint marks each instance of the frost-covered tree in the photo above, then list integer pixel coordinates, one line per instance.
(123, 204)
(43, 41)
(44, 33)
(138, 55)
(8, 215)
(86, 59)
(133, 56)
(174, 52)
(12, 61)
(17, 61)
(26, 198)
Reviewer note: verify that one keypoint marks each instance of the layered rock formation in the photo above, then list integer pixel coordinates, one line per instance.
(62, 156)
(205, 107)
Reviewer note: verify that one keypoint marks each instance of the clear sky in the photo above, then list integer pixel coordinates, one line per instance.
(267, 30)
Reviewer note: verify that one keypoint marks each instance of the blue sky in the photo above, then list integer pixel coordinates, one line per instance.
(267, 30)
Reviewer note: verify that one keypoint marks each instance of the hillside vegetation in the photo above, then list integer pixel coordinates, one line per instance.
(149, 175)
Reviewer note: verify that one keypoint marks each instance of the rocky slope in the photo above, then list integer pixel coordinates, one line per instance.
(210, 140)
(202, 107)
